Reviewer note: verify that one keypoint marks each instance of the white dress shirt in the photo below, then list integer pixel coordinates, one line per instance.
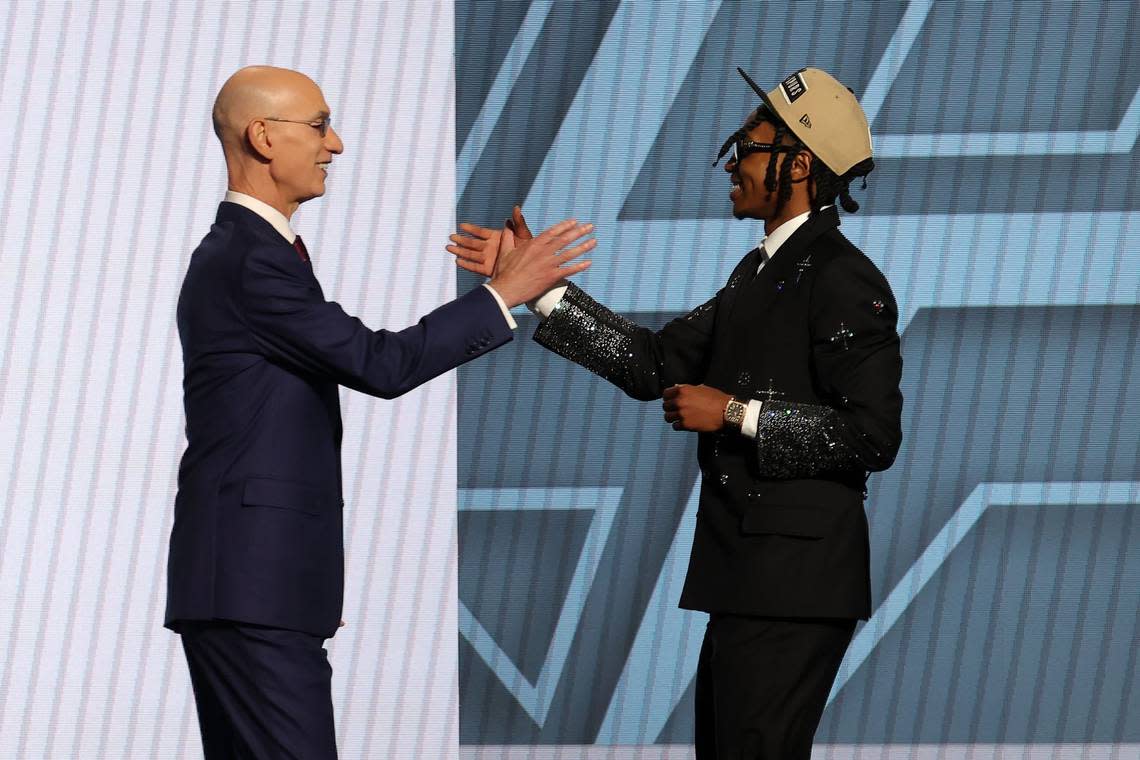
(281, 224)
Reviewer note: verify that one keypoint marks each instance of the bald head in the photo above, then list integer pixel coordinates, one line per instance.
(256, 92)
(274, 127)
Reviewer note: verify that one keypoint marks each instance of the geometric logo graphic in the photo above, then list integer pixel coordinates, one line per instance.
(489, 541)
(1005, 211)
(965, 518)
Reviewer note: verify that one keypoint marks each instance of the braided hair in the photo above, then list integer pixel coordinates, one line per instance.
(825, 185)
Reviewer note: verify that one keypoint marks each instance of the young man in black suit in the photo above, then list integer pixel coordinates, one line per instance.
(790, 374)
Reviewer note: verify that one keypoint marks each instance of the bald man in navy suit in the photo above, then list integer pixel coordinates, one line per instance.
(256, 569)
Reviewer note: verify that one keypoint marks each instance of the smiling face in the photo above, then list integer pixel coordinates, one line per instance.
(750, 198)
(300, 157)
(269, 121)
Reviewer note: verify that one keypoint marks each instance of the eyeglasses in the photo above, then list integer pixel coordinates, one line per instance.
(321, 126)
(744, 148)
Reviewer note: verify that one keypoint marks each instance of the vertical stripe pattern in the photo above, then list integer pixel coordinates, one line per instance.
(115, 177)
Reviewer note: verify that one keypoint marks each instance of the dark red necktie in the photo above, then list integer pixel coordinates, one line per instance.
(302, 251)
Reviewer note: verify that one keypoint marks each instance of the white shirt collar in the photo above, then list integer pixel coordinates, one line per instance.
(270, 214)
(780, 235)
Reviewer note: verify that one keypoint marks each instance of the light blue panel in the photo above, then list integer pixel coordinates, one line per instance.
(1005, 212)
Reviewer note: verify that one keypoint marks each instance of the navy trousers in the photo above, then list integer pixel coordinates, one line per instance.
(262, 693)
(762, 684)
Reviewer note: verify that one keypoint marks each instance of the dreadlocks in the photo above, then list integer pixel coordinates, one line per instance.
(825, 185)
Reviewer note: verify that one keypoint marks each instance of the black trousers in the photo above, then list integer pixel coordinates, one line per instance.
(261, 692)
(762, 684)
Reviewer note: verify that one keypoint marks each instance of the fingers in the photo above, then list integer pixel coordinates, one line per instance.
(507, 242)
(578, 250)
(568, 237)
(475, 230)
(470, 267)
(573, 269)
(671, 392)
(468, 243)
(466, 253)
(558, 229)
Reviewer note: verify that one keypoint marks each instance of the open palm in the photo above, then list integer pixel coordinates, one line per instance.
(476, 250)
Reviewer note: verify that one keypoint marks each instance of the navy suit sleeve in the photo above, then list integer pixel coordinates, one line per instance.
(295, 326)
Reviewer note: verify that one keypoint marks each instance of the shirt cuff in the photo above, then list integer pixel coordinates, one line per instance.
(545, 303)
(503, 306)
(751, 419)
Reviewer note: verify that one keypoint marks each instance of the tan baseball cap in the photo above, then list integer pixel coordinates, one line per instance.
(823, 114)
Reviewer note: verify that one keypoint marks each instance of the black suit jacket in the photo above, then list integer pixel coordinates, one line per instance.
(781, 529)
(257, 534)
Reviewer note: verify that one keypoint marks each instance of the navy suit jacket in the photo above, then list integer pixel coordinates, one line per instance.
(258, 528)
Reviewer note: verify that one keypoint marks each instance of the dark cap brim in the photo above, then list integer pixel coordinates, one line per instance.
(756, 88)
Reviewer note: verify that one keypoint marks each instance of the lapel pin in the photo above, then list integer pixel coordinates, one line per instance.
(801, 267)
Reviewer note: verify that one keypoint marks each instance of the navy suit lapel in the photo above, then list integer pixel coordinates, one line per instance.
(238, 214)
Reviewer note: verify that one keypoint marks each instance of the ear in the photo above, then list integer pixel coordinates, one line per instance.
(801, 165)
(257, 135)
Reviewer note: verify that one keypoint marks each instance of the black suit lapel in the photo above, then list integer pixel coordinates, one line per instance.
(784, 269)
(740, 280)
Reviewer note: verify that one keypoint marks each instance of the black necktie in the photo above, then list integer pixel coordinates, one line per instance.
(762, 259)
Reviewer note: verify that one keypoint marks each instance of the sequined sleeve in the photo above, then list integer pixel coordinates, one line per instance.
(640, 361)
(587, 333)
(801, 441)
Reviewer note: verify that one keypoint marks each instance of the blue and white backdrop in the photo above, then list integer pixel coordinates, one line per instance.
(518, 531)
(1006, 538)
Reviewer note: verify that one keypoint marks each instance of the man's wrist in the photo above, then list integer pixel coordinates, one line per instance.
(545, 303)
(734, 411)
(502, 307)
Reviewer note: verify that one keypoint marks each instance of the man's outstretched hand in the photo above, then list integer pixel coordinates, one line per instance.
(477, 249)
(526, 268)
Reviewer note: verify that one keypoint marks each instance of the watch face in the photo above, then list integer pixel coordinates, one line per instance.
(734, 413)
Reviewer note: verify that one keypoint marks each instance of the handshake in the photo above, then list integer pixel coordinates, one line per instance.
(522, 266)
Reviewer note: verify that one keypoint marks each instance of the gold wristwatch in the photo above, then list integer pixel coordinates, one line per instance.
(734, 413)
